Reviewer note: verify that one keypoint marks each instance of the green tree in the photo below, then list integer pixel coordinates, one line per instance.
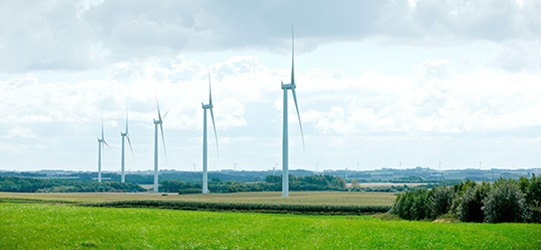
(504, 203)
(440, 201)
(471, 203)
(533, 191)
(412, 205)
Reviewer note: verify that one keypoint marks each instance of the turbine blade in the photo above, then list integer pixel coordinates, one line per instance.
(158, 106)
(163, 140)
(292, 56)
(102, 125)
(165, 115)
(210, 90)
(126, 117)
(215, 134)
(298, 115)
(129, 143)
(104, 142)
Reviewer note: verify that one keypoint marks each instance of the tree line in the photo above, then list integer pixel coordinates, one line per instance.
(20, 184)
(271, 183)
(506, 200)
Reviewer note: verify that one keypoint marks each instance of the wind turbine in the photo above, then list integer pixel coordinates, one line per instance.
(205, 146)
(100, 142)
(156, 123)
(124, 135)
(285, 143)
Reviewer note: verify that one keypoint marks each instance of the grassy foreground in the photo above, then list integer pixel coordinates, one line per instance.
(30, 226)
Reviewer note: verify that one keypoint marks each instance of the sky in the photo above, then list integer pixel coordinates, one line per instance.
(392, 84)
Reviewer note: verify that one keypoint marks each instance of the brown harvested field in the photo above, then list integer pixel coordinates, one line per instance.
(300, 198)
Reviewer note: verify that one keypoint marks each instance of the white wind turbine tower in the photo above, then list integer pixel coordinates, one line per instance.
(285, 143)
(124, 135)
(100, 148)
(156, 123)
(205, 146)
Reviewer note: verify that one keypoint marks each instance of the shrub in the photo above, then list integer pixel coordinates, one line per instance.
(402, 205)
(533, 191)
(419, 207)
(459, 190)
(412, 205)
(533, 213)
(504, 203)
(440, 201)
(471, 203)
(189, 191)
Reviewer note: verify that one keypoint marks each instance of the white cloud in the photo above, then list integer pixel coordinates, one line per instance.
(524, 56)
(48, 35)
(45, 35)
(20, 132)
(433, 99)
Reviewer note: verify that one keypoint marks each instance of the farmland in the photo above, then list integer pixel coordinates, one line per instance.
(67, 227)
(296, 198)
(324, 203)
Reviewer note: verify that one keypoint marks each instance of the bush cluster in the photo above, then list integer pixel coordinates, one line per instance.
(504, 201)
(189, 191)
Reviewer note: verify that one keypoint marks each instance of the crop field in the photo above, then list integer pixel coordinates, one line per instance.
(34, 226)
(296, 198)
(389, 184)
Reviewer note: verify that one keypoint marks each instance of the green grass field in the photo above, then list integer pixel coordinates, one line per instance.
(296, 198)
(31, 226)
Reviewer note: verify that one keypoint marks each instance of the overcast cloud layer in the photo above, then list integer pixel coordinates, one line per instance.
(79, 35)
(379, 82)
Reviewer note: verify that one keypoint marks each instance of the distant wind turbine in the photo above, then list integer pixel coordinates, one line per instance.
(100, 148)
(127, 136)
(285, 144)
(205, 146)
(156, 123)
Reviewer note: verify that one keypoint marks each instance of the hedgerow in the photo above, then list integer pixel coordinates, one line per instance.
(248, 207)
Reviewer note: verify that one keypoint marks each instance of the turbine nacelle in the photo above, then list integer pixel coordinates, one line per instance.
(206, 106)
(289, 86)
